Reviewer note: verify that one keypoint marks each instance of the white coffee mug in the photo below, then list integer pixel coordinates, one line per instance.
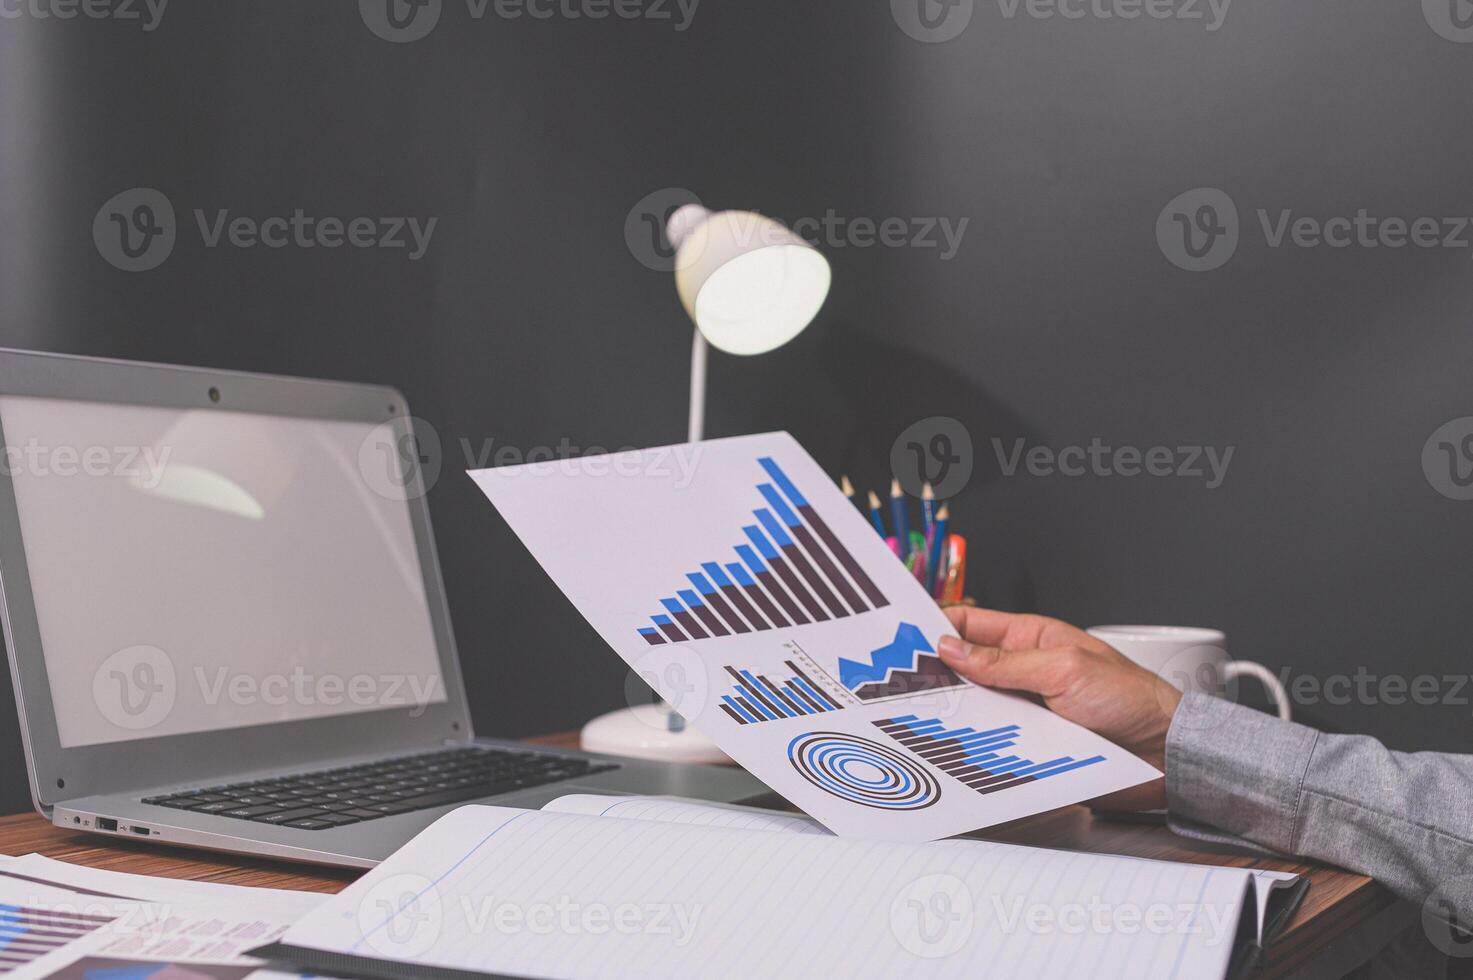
(1190, 659)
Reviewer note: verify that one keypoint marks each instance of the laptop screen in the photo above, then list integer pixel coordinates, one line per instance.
(197, 570)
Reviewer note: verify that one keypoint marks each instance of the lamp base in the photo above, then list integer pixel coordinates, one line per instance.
(643, 732)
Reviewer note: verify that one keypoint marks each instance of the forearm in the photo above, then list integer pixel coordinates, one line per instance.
(1404, 819)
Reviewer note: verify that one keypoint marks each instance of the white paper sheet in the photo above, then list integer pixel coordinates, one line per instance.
(534, 893)
(62, 920)
(671, 809)
(825, 684)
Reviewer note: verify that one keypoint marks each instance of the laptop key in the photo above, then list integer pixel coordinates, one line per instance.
(251, 812)
(309, 824)
(286, 816)
(340, 819)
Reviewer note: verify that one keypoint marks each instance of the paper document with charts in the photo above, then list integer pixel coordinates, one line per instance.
(736, 579)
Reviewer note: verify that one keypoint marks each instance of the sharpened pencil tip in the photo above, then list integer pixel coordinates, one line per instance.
(846, 486)
(944, 514)
(874, 500)
(927, 493)
(895, 490)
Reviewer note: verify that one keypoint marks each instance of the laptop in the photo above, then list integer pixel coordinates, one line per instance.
(226, 622)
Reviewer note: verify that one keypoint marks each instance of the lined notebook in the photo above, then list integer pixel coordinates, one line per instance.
(649, 888)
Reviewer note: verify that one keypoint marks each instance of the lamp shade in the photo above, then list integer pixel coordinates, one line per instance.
(749, 284)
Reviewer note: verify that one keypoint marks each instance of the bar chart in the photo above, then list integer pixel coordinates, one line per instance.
(28, 934)
(790, 569)
(982, 760)
(755, 699)
(906, 665)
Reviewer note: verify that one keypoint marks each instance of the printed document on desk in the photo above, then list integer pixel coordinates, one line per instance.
(736, 579)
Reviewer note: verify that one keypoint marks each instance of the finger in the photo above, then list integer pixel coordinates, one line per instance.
(1037, 671)
(993, 628)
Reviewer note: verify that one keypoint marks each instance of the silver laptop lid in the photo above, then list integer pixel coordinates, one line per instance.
(208, 572)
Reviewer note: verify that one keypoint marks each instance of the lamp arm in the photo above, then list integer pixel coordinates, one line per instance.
(698, 350)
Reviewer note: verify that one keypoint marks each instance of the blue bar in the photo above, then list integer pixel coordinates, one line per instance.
(982, 745)
(672, 606)
(757, 705)
(717, 575)
(689, 598)
(773, 528)
(956, 733)
(1040, 766)
(986, 736)
(760, 540)
(798, 690)
(1010, 763)
(699, 581)
(1073, 765)
(925, 728)
(823, 702)
(977, 761)
(734, 705)
(781, 479)
(780, 694)
(648, 631)
(902, 720)
(779, 505)
(661, 621)
(756, 687)
(990, 753)
(744, 579)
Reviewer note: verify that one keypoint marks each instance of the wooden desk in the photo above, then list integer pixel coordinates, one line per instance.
(1343, 921)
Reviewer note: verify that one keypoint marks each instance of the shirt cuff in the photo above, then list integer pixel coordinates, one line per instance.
(1237, 770)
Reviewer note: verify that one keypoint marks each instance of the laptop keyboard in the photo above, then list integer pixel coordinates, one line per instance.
(352, 794)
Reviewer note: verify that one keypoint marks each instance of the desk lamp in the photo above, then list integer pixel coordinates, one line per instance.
(749, 285)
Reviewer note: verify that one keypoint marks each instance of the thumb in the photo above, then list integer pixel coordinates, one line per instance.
(1015, 670)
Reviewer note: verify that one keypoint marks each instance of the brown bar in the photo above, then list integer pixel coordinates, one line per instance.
(855, 570)
(826, 565)
(796, 587)
(734, 594)
(824, 593)
(775, 587)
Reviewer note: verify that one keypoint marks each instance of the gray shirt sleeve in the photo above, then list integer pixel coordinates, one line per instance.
(1238, 775)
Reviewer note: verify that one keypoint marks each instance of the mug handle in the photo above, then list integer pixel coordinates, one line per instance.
(1234, 669)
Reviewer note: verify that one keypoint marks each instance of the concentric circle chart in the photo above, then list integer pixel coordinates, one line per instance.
(862, 771)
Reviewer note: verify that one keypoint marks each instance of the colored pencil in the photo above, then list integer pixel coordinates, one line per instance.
(875, 517)
(928, 510)
(898, 516)
(954, 586)
(848, 489)
(938, 545)
(917, 561)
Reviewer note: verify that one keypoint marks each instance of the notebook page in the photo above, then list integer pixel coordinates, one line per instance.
(532, 893)
(673, 809)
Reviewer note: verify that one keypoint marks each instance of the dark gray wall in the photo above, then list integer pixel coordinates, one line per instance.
(1059, 321)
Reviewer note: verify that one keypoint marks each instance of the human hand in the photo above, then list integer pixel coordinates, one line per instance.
(1078, 676)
